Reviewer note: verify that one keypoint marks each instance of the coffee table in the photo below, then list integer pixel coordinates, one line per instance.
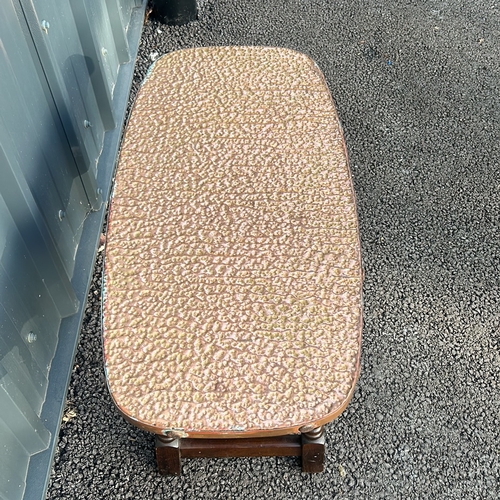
(232, 310)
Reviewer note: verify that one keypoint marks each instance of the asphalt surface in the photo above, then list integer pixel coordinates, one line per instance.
(416, 86)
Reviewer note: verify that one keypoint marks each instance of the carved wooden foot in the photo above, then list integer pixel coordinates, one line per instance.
(313, 450)
(168, 455)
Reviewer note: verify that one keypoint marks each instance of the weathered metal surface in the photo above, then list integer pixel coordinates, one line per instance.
(233, 272)
(57, 113)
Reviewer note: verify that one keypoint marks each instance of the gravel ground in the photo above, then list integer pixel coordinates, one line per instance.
(416, 87)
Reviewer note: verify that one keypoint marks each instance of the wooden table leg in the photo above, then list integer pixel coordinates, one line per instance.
(313, 450)
(168, 455)
(310, 445)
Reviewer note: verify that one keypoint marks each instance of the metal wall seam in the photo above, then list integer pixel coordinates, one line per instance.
(67, 69)
(91, 22)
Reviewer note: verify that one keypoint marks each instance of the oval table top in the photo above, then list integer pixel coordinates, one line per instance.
(232, 303)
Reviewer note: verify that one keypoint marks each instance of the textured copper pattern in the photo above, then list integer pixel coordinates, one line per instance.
(233, 273)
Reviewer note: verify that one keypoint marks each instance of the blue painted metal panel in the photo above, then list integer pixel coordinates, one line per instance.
(33, 139)
(65, 73)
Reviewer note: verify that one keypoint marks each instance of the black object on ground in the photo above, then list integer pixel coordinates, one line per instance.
(175, 12)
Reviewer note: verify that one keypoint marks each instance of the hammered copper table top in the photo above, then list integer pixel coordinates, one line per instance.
(233, 272)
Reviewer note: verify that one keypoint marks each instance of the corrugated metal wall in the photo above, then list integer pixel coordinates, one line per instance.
(59, 64)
